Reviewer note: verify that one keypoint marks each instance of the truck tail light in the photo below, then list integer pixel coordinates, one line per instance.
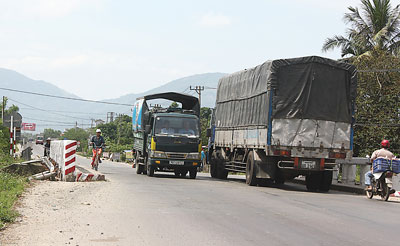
(337, 155)
(282, 152)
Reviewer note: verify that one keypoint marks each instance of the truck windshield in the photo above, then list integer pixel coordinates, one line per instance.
(176, 126)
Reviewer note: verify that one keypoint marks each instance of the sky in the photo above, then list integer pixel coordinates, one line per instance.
(100, 49)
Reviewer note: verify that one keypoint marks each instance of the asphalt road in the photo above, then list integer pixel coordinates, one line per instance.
(164, 210)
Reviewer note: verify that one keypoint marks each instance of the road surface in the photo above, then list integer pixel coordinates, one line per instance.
(133, 209)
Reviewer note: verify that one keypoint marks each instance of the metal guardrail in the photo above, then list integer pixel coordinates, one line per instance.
(349, 170)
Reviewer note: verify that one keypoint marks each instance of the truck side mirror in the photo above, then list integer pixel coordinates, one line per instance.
(147, 129)
(208, 132)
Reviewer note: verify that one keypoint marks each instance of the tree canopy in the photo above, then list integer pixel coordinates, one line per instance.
(375, 27)
(378, 103)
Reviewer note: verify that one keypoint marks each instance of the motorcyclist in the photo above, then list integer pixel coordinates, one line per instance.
(380, 153)
(47, 147)
(98, 143)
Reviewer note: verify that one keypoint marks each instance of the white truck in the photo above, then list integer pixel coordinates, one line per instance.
(282, 119)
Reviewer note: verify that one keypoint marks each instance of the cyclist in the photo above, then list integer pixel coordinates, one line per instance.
(98, 143)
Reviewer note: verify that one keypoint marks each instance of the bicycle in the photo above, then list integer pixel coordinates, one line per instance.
(97, 150)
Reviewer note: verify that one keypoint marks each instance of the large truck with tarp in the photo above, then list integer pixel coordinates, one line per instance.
(282, 119)
(167, 138)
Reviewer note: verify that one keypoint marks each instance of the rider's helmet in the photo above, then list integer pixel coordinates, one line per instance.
(98, 130)
(48, 139)
(385, 143)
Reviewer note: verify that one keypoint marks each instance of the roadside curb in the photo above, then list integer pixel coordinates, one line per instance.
(345, 188)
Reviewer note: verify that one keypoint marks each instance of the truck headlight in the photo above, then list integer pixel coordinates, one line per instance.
(158, 154)
(193, 156)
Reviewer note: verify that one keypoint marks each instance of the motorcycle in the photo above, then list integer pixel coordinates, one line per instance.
(381, 185)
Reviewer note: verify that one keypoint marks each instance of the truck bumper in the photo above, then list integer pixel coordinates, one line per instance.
(307, 164)
(173, 164)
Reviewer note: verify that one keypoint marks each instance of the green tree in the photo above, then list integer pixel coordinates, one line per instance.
(118, 134)
(378, 103)
(174, 105)
(205, 117)
(377, 27)
(11, 109)
(51, 133)
(78, 134)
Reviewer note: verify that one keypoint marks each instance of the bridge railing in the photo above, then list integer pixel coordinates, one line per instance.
(352, 171)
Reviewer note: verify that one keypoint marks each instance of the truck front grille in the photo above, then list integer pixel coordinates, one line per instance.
(176, 155)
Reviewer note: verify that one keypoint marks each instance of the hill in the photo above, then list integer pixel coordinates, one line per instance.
(61, 114)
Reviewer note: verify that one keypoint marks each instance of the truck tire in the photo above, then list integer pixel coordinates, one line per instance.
(326, 181)
(279, 178)
(150, 169)
(313, 181)
(250, 170)
(222, 173)
(213, 168)
(193, 173)
(139, 168)
(177, 173)
(183, 173)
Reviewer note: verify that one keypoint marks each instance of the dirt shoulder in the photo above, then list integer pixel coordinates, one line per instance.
(49, 214)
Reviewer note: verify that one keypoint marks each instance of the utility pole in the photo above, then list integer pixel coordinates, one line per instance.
(198, 89)
(11, 136)
(110, 117)
(3, 109)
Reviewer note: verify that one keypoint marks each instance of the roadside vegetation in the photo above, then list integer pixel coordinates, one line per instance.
(372, 44)
(11, 186)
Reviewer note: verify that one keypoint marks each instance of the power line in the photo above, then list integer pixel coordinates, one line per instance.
(62, 97)
(51, 121)
(72, 112)
(44, 110)
(187, 88)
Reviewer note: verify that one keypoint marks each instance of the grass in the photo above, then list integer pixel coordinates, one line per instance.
(11, 187)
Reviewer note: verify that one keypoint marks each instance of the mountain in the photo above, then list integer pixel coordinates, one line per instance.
(61, 114)
(208, 80)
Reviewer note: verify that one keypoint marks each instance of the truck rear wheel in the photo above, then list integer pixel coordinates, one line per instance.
(313, 181)
(222, 173)
(213, 168)
(279, 178)
(326, 181)
(139, 168)
(193, 173)
(250, 170)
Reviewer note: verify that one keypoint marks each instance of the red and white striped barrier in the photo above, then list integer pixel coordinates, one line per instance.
(86, 177)
(70, 158)
(63, 152)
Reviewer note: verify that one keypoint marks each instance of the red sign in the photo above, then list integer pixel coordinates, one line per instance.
(28, 126)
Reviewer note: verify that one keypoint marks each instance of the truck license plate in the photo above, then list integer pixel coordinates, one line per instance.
(176, 162)
(308, 164)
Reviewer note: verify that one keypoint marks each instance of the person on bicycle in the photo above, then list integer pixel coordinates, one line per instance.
(98, 143)
(380, 153)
